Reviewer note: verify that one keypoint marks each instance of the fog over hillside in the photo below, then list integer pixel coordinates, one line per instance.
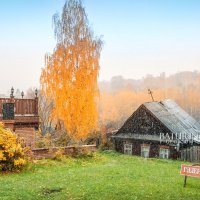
(120, 97)
(180, 79)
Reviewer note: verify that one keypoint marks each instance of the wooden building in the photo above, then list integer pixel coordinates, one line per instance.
(158, 129)
(20, 115)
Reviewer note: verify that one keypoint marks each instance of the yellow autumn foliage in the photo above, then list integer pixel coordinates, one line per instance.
(11, 152)
(71, 72)
(116, 107)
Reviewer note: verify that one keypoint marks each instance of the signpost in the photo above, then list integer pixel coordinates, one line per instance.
(190, 170)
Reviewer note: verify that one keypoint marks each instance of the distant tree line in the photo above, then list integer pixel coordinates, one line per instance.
(120, 97)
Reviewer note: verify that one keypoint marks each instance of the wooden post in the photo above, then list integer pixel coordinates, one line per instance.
(185, 181)
(151, 93)
(36, 106)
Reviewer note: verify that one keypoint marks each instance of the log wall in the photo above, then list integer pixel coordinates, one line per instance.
(136, 147)
(143, 122)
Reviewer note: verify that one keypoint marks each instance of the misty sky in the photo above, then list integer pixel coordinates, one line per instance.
(141, 37)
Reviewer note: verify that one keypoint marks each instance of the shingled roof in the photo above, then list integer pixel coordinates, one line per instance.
(178, 121)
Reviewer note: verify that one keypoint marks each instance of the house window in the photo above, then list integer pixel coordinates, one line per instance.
(128, 149)
(145, 151)
(164, 153)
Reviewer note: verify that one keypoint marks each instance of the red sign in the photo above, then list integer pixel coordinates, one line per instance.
(189, 170)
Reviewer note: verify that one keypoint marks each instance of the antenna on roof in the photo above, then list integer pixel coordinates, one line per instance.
(151, 93)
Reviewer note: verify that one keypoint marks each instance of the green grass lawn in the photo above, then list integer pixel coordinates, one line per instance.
(107, 176)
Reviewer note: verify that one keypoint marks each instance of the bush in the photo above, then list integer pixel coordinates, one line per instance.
(11, 152)
(60, 138)
(43, 141)
(58, 155)
(107, 145)
(82, 152)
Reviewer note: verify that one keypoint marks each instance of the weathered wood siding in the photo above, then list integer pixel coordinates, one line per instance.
(136, 147)
(25, 113)
(191, 154)
(143, 122)
(22, 106)
(142, 128)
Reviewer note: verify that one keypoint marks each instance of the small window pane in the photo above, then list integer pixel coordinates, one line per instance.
(145, 151)
(128, 149)
(164, 153)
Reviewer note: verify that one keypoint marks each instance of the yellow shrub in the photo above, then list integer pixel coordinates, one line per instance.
(58, 155)
(11, 152)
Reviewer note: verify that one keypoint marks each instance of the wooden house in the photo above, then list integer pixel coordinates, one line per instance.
(20, 115)
(158, 129)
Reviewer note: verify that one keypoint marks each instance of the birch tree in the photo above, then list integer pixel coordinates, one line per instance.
(71, 71)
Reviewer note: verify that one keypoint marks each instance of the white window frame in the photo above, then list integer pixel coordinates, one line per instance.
(164, 153)
(128, 149)
(145, 151)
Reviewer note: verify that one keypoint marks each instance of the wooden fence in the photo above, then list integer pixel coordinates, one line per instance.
(191, 154)
(19, 113)
(21, 106)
